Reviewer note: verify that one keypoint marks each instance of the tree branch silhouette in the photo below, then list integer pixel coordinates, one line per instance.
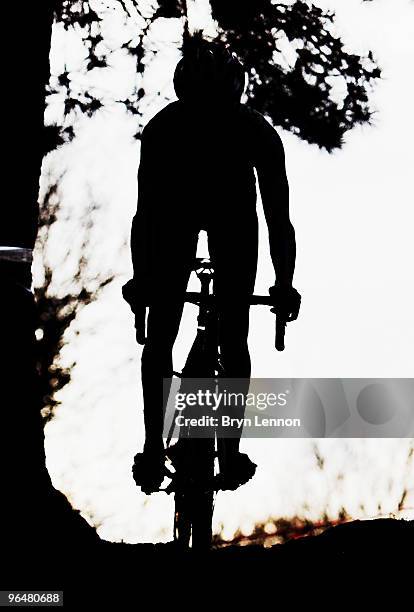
(319, 95)
(297, 94)
(57, 311)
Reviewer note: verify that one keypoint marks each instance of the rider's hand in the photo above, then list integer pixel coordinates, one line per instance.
(138, 307)
(286, 301)
(140, 320)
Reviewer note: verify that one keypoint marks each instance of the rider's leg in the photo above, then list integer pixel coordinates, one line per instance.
(235, 359)
(162, 328)
(235, 468)
(235, 274)
(169, 274)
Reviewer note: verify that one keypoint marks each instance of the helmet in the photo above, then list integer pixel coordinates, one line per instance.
(208, 73)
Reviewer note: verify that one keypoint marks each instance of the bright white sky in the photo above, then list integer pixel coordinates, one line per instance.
(353, 214)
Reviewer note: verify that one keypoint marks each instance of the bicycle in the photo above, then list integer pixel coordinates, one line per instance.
(193, 482)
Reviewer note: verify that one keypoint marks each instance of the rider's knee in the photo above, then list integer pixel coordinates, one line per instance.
(156, 354)
(235, 359)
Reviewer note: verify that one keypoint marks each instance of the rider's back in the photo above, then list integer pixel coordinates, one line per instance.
(198, 163)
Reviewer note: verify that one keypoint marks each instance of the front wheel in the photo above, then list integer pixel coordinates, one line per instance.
(194, 496)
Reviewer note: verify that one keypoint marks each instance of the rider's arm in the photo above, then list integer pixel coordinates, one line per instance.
(274, 190)
(139, 233)
(137, 293)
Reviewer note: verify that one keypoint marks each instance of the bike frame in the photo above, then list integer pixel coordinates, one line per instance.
(194, 493)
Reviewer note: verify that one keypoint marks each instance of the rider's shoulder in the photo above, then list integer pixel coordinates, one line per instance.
(257, 119)
(162, 118)
(263, 135)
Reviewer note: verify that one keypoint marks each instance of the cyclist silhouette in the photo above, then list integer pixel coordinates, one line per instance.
(198, 157)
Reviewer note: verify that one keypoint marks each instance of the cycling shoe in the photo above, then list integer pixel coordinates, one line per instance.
(237, 471)
(149, 471)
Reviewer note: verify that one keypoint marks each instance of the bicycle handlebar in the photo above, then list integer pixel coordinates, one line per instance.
(196, 298)
(280, 334)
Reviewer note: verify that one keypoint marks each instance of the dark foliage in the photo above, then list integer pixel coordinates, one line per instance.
(57, 312)
(298, 96)
(81, 16)
(171, 8)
